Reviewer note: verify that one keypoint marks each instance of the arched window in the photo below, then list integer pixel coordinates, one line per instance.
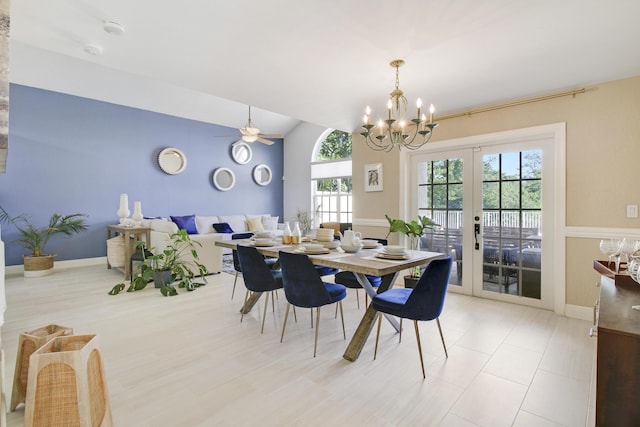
(331, 178)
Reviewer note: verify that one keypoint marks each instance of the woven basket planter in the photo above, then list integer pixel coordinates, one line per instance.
(28, 342)
(67, 385)
(115, 252)
(38, 266)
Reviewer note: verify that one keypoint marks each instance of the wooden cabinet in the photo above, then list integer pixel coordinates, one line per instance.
(618, 354)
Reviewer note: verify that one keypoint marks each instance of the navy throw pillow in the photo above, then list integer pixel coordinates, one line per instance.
(187, 222)
(222, 227)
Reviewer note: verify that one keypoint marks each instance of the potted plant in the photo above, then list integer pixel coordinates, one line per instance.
(34, 238)
(168, 267)
(413, 230)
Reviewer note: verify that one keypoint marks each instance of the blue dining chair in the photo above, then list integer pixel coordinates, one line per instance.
(424, 302)
(258, 277)
(304, 288)
(236, 263)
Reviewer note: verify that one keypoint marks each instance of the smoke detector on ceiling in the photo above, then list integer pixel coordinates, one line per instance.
(113, 28)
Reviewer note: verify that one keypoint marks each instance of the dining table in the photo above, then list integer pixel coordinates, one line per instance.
(373, 262)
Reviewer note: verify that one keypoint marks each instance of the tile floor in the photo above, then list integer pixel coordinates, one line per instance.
(188, 361)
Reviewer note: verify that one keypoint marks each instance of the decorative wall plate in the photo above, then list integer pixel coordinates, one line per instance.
(172, 161)
(241, 152)
(223, 179)
(262, 174)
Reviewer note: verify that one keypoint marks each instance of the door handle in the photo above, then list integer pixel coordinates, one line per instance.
(476, 232)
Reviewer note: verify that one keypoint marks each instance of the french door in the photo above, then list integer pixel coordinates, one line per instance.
(494, 206)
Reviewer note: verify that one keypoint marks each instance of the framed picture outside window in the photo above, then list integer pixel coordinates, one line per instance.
(373, 177)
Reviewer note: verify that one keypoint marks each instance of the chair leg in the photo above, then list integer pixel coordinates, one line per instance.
(246, 298)
(375, 351)
(358, 298)
(315, 344)
(295, 316)
(233, 291)
(311, 312)
(266, 305)
(336, 315)
(273, 302)
(284, 324)
(400, 339)
(415, 324)
(442, 337)
(344, 334)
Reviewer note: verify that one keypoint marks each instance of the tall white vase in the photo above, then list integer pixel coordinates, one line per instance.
(137, 214)
(123, 211)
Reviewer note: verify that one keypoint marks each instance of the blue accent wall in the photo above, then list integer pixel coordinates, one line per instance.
(69, 154)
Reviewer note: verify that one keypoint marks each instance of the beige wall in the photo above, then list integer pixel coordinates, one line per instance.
(602, 163)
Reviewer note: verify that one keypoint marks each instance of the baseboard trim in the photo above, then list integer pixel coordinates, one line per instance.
(579, 312)
(84, 262)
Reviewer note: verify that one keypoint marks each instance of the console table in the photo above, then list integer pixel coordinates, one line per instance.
(618, 354)
(136, 233)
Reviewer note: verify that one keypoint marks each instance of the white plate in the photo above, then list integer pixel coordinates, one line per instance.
(318, 252)
(370, 246)
(392, 256)
(394, 250)
(264, 245)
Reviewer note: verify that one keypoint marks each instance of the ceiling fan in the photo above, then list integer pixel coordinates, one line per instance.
(251, 133)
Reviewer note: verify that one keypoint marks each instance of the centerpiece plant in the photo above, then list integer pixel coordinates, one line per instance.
(172, 263)
(413, 229)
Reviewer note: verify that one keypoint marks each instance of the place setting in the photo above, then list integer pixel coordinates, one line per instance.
(393, 253)
(313, 249)
(263, 239)
(370, 244)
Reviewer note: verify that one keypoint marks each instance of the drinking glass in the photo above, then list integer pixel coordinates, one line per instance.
(617, 244)
(628, 247)
(607, 248)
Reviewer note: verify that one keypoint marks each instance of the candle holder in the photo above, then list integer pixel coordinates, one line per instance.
(123, 211)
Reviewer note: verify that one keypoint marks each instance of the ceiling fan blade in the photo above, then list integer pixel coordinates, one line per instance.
(277, 136)
(265, 141)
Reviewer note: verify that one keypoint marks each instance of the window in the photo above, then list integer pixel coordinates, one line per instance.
(331, 179)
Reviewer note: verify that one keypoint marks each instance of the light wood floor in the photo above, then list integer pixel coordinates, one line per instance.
(188, 361)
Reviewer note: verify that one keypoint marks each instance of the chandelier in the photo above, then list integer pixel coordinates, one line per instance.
(396, 130)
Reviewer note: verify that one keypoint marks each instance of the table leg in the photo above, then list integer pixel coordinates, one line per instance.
(253, 299)
(364, 282)
(108, 237)
(366, 324)
(127, 254)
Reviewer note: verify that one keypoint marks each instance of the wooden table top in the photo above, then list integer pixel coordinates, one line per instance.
(364, 261)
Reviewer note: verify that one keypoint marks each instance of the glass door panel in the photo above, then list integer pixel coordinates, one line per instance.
(440, 197)
(511, 223)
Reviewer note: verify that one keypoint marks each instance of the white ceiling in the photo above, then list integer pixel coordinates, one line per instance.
(319, 61)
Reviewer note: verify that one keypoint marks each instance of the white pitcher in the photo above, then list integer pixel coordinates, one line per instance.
(351, 238)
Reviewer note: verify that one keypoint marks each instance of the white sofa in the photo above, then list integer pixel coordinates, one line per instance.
(209, 254)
